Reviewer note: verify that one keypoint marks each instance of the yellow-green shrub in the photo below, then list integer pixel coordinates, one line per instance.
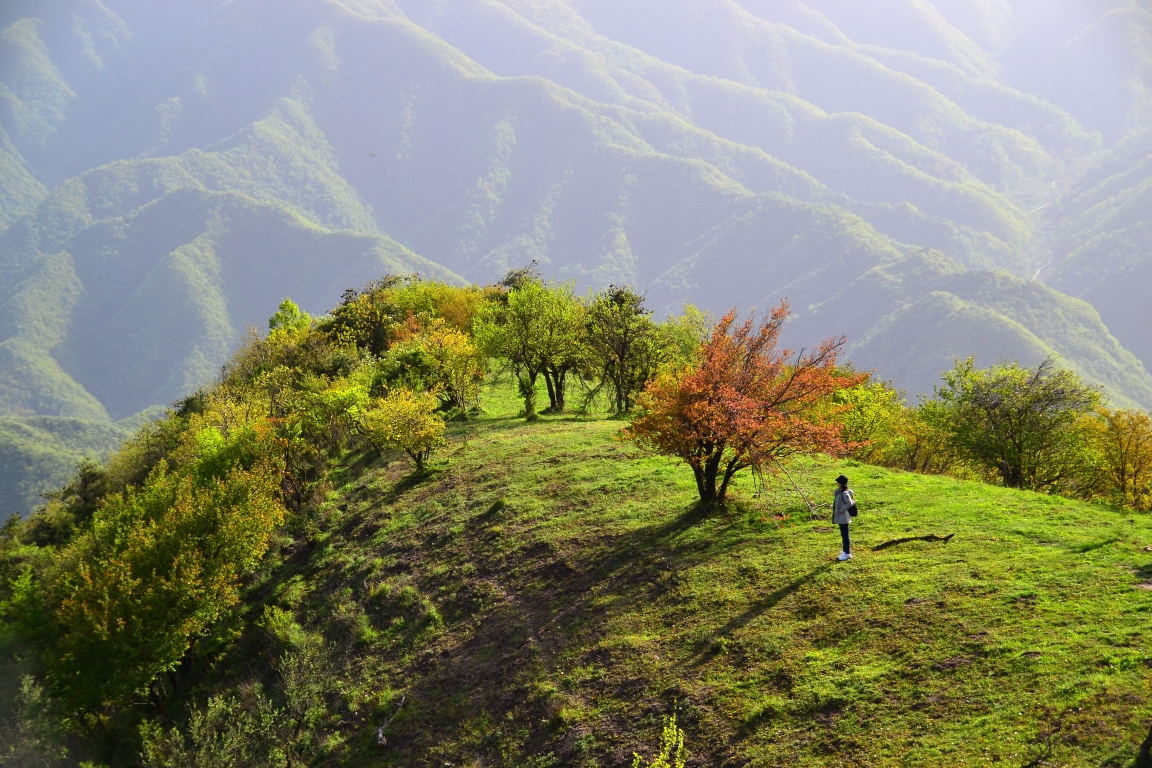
(406, 420)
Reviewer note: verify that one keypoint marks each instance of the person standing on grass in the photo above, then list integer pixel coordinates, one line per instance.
(841, 503)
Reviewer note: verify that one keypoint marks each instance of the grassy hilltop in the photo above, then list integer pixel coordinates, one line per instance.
(547, 594)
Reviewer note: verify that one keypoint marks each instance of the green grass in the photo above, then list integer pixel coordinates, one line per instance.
(550, 590)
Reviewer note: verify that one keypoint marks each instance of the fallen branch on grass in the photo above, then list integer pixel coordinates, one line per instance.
(381, 740)
(929, 537)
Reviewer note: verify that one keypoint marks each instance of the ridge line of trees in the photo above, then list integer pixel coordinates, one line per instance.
(1039, 428)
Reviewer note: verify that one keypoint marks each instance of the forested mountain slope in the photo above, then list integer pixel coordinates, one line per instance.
(1104, 252)
(169, 172)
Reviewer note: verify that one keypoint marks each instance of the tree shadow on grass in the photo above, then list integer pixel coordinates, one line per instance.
(530, 600)
(410, 481)
(1093, 546)
(491, 668)
(660, 535)
(769, 601)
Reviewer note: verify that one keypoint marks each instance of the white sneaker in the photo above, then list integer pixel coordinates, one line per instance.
(844, 556)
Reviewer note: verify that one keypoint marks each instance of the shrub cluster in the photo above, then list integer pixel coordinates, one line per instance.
(1041, 429)
(606, 342)
(112, 582)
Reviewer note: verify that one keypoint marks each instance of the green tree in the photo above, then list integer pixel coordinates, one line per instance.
(122, 603)
(32, 735)
(625, 346)
(289, 316)
(455, 304)
(564, 348)
(455, 364)
(327, 409)
(919, 442)
(251, 731)
(1123, 440)
(871, 413)
(381, 313)
(406, 420)
(366, 319)
(681, 335)
(1026, 426)
(515, 331)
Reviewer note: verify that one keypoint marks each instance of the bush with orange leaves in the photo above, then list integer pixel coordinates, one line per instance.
(744, 403)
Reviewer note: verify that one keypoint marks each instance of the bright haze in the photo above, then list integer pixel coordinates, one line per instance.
(931, 179)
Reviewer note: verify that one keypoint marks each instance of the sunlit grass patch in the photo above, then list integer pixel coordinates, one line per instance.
(563, 590)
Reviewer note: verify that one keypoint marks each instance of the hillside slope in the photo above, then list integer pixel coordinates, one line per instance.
(1104, 252)
(39, 454)
(549, 593)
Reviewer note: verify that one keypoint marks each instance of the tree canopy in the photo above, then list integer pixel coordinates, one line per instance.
(1026, 425)
(744, 403)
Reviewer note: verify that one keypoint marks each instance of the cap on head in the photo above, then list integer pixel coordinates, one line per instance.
(842, 480)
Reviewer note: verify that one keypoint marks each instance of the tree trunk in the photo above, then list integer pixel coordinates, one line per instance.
(157, 694)
(620, 387)
(555, 377)
(729, 471)
(701, 486)
(558, 381)
(1013, 475)
(528, 392)
(549, 375)
(711, 469)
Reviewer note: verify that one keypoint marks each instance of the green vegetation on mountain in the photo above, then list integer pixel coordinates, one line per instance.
(194, 260)
(1104, 253)
(777, 60)
(40, 453)
(20, 191)
(160, 191)
(571, 598)
(543, 593)
(187, 241)
(361, 538)
(34, 97)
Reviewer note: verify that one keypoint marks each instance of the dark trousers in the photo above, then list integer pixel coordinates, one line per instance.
(844, 537)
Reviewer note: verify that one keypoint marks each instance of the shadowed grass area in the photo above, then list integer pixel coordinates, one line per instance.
(549, 591)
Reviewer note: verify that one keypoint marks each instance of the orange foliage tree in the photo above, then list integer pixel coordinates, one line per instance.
(744, 403)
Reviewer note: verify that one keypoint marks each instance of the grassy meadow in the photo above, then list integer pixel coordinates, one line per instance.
(547, 594)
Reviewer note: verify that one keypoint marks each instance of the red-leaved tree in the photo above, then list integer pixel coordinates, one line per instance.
(743, 404)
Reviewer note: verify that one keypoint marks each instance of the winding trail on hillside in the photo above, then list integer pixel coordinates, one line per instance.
(1050, 263)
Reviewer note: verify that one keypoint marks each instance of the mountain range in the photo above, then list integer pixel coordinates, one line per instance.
(932, 179)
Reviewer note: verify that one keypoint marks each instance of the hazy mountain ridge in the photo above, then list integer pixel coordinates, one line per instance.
(172, 172)
(21, 190)
(39, 453)
(1104, 251)
(843, 151)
